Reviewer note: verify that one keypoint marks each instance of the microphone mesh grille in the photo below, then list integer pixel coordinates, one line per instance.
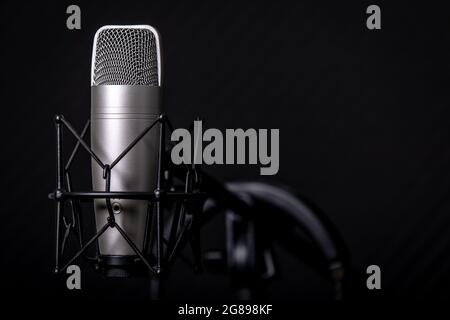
(126, 56)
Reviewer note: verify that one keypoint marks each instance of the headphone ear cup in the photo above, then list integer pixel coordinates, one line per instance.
(297, 224)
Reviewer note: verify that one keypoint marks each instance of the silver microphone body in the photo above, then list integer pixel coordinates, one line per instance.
(125, 100)
(119, 114)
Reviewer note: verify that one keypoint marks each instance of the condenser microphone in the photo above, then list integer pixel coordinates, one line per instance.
(125, 100)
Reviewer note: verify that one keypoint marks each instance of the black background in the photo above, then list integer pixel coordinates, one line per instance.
(363, 117)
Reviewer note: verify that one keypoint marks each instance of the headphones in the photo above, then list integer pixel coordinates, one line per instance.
(277, 214)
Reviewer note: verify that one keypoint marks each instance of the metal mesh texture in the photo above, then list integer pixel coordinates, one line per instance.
(125, 56)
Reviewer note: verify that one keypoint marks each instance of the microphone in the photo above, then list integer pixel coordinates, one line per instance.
(125, 100)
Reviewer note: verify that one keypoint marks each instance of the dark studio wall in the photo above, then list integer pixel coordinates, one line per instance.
(363, 117)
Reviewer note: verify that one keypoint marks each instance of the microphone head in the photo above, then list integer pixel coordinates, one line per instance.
(126, 55)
